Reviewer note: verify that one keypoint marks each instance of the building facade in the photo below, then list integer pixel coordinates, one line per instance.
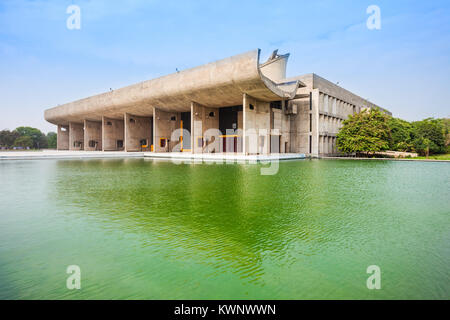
(234, 105)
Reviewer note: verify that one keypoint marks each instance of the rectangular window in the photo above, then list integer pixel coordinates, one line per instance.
(310, 144)
(310, 101)
(162, 142)
(119, 143)
(310, 122)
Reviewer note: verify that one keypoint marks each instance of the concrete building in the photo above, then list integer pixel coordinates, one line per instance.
(234, 105)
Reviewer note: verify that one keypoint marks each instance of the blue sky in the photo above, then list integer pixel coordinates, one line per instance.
(404, 67)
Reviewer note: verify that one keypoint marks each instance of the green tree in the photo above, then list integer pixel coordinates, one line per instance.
(24, 141)
(401, 134)
(51, 140)
(428, 136)
(446, 124)
(7, 138)
(38, 138)
(365, 132)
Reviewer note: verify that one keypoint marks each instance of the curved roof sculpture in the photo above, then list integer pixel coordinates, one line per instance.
(216, 84)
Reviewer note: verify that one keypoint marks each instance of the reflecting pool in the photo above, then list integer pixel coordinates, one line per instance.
(147, 229)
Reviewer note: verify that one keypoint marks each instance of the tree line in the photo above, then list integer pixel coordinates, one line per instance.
(373, 131)
(27, 138)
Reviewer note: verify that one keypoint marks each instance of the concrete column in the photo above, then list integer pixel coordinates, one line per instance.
(92, 135)
(137, 129)
(325, 103)
(76, 136)
(112, 134)
(62, 138)
(315, 128)
(320, 145)
(334, 145)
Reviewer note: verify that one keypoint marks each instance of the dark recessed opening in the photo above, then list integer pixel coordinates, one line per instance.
(251, 107)
(212, 114)
(275, 104)
(173, 118)
(109, 123)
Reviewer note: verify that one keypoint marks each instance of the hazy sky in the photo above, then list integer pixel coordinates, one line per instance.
(404, 67)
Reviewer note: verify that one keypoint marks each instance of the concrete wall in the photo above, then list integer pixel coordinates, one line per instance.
(275, 69)
(76, 136)
(256, 124)
(280, 125)
(137, 129)
(62, 138)
(163, 127)
(112, 131)
(204, 123)
(92, 132)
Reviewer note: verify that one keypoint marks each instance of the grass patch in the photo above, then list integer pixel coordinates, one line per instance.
(436, 157)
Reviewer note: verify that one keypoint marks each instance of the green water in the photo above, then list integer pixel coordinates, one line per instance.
(143, 229)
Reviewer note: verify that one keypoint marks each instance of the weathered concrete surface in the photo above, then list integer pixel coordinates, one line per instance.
(136, 130)
(76, 136)
(216, 84)
(256, 125)
(275, 69)
(204, 120)
(164, 126)
(92, 135)
(62, 138)
(112, 134)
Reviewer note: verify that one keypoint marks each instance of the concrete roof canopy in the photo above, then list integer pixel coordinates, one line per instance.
(217, 84)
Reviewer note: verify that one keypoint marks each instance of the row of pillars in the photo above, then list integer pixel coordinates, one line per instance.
(133, 132)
